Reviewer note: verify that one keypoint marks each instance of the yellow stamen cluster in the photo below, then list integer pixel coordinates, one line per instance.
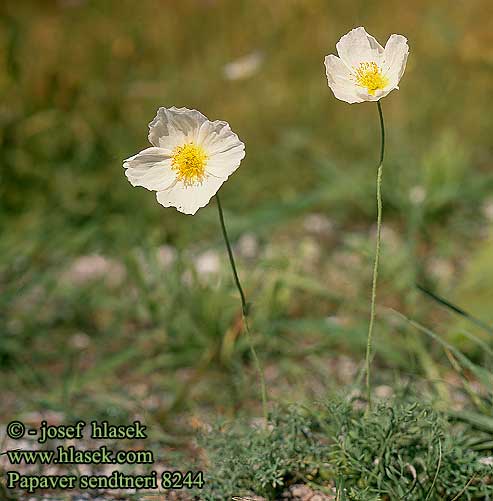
(370, 76)
(189, 162)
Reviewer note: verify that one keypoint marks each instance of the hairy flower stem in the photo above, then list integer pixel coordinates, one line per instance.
(377, 259)
(245, 310)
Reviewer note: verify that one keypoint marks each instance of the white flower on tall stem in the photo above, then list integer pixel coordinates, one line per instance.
(364, 70)
(189, 160)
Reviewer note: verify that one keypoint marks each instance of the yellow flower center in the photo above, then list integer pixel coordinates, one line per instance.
(370, 76)
(189, 162)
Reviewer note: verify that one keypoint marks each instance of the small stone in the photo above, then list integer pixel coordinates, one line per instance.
(248, 246)
(166, 255)
(93, 267)
(318, 224)
(208, 263)
(417, 195)
(384, 391)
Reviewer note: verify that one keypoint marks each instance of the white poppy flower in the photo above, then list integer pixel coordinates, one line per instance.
(189, 160)
(364, 70)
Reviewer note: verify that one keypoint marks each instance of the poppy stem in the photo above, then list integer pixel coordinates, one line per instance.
(245, 308)
(377, 259)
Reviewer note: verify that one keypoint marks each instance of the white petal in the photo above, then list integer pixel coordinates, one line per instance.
(174, 126)
(148, 156)
(151, 169)
(189, 199)
(395, 59)
(223, 164)
(224, 149)
(218, 137)
(341, 81)
(379, 94)
(358, 46)
(205, 131)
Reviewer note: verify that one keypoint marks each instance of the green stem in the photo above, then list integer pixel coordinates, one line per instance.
(377, 257)
(244, 308)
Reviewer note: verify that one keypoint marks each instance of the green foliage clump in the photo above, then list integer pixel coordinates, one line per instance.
(263, 460)
(396, 451)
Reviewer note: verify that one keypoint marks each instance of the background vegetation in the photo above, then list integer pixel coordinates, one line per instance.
(112, 307)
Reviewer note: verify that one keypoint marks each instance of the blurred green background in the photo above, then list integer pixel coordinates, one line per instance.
(112, 306)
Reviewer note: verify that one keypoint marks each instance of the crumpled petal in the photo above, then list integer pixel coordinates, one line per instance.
(175, 126)
(357, 47)
(395, 58)
(151, 169)
(189, 199)
(225, 163)
(224, 149)
(341, 80)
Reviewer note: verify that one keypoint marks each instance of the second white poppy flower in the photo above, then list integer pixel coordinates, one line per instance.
(364, 70)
